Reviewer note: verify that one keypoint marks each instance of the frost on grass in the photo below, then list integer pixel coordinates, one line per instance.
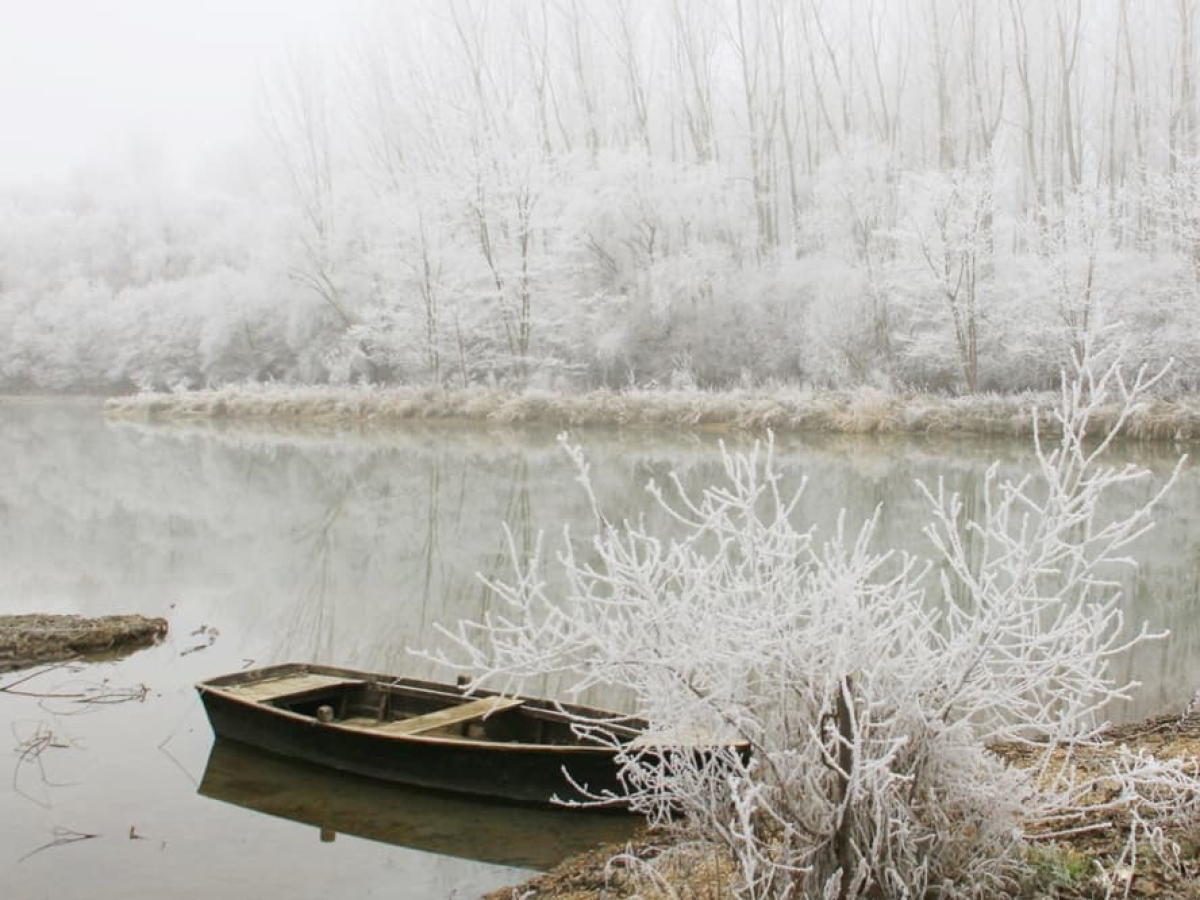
(871, 685)
(780, 408)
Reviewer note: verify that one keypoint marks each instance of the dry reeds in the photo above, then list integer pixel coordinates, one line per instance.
(783, 409)
(28, 640)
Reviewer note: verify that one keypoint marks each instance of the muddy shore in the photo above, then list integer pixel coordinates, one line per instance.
(1064, 869)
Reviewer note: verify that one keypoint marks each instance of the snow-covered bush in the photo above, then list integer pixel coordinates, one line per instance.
(871, 686)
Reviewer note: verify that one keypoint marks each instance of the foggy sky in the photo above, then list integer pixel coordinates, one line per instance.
(84, 82)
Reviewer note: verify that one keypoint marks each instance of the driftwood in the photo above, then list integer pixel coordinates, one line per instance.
(30, 640)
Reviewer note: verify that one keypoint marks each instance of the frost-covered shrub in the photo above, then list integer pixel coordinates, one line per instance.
(871, 686)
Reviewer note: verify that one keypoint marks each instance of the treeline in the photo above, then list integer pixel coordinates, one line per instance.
(943, 194)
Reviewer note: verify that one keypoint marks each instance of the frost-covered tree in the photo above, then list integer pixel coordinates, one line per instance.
(950, 221)
(872, 687)
(586, 194)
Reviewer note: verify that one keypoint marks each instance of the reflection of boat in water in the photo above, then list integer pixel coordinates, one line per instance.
(432, 822)
(427, 734)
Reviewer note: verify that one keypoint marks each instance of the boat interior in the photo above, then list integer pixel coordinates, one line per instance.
(406, 707)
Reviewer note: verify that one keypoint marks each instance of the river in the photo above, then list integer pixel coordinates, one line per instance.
(263, 545)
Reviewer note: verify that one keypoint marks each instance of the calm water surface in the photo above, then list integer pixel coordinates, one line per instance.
(263, 546)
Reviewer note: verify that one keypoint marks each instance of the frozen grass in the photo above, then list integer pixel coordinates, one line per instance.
(783, 409)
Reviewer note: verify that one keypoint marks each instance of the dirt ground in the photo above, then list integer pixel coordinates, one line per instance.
(30, 640)
(1068, 868)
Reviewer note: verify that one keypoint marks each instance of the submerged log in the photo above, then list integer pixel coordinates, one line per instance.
(29, 640)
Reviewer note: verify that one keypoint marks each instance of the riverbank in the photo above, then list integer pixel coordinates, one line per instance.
(1080, 866)
(30, 640)
(781, 409)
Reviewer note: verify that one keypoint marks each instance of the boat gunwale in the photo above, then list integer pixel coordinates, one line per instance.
(221, 685)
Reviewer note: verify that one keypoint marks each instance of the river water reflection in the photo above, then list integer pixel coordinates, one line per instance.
(264, 545)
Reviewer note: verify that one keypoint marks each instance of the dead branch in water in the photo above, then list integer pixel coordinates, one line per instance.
(8, 688)
(29, 752)
(62, 837)
(101, 694)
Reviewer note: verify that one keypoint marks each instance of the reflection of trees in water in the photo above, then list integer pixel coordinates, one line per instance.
(309, 633)
(430, 554)
(443, 584)
(1169, 670)
(970, 492)
(519, 520)
(384, 532)
(429, 584)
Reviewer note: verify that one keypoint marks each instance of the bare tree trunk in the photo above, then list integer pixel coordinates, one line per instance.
(628, 52)
(812, 22)
(886, 127)
(1110, 144)
(1187, 95)
(779, 23)
(939, 51)
(1141, 233)
(479, 209)
(1068, 51)
(989, 107)
(758, 125)
(1024, 76)
(524, 203)
(537, 55)
(297, 121)
(471, 42)
(429, 279)
(695, 72)
(575, 45)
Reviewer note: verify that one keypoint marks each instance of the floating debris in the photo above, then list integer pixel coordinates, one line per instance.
(208, 636)
(30, 640)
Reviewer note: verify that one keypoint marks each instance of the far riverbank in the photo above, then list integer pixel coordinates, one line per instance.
(779, 409)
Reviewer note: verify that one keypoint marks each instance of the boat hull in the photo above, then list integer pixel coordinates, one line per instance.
(510, 771)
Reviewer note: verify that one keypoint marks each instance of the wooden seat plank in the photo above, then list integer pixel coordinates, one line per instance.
(452, 715)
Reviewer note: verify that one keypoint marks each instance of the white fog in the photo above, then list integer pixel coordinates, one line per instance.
(866, 563)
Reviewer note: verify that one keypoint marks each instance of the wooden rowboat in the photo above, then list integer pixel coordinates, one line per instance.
(423, 733)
